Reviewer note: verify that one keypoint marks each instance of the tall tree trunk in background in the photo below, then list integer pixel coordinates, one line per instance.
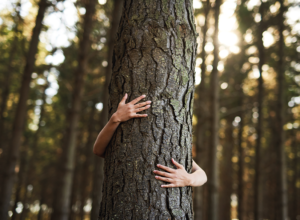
(240, 102)
(18, 124)
(257, 179)
(226, 172)
(213, 182)
(293, 199)
(64, 184)
(201, 113)
(98, 175)
(30, 166)
(241, 167)
(20, 181)
(283, 201)
(99, 162)
(154, 55)
(297, 171)
(5, 88)
(240, 173)
(74, 197)
(85, 172)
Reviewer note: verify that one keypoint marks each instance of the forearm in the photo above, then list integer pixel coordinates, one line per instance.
(197, 178)
(104, 136)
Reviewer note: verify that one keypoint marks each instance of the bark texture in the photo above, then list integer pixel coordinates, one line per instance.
(154, 55)
(20, 115)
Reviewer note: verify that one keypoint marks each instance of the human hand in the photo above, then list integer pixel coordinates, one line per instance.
(176, 177)
(129, 110)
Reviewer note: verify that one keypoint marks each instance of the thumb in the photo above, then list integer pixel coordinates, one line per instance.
(124, 99)
(178, 165)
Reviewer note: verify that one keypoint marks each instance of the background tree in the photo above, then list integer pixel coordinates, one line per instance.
(66, 170)
(18, 125)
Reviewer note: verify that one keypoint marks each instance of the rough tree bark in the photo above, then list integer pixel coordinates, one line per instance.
(213, 181)
(61, 202)
(19, 119)
(154, 55)
(283, 200)
(257, 178)
(99, 162)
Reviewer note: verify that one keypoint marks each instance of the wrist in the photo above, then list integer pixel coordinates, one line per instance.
(115, 119)
(189, 180)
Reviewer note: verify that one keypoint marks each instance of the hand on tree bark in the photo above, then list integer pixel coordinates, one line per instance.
(176, 177)
(129, 110)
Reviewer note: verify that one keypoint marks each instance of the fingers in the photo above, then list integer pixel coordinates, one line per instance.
(169, 185)
(140, 115)
(178, 165)
(142, 104)
(162, 173)
(137, 99)
(124, 98)
(163, 179)
(141, 109)
(170, 170)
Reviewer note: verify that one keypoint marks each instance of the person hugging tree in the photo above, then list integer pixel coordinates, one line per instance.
(175, 177)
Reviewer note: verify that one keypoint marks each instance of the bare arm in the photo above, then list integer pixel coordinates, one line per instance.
(198, 176)
(179, 177)
(123, 113)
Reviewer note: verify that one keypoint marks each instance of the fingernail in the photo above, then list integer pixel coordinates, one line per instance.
(158, 165)
(144, 95)
(162, 185)
(154, 171)
(156, 176)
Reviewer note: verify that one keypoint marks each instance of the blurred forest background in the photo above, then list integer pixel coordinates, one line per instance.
(249, 147)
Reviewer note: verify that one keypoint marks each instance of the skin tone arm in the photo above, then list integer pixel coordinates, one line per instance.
(123, 113)
(176, 177)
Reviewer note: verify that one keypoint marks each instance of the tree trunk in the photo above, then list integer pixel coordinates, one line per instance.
(5, 88)
(30, 166)
(85, 172)
(99, 162)
(257, 178)
(64, 184)
(20, 182)
(293, 185)
(201, 113)
(213, 182)
(227, 172)
(283, 201)
(241, 166)
(154, 55)
(18, 124)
